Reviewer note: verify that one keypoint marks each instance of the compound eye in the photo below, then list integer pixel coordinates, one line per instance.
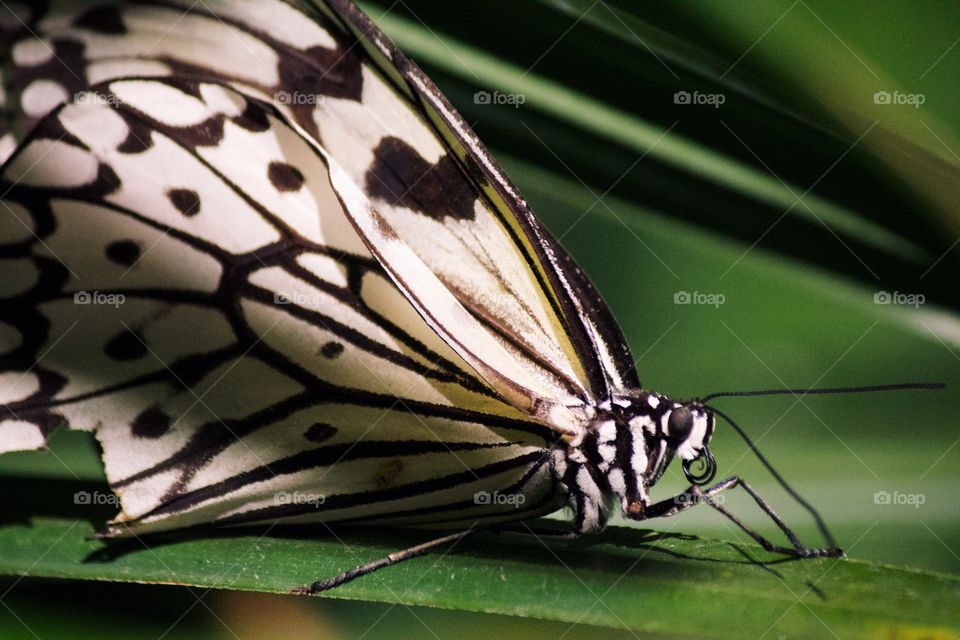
(679, 424)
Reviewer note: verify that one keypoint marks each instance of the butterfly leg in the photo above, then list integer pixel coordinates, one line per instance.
(370, 567)
(695, 495)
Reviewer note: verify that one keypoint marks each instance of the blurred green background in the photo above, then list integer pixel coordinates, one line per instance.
(654, 198)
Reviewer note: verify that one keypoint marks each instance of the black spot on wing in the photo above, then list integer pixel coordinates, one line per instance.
(322, 72)
(253, 119)
(307, 77)
(105, 19)
(400, 176)
(126, 346)
(318, 432)
(284, 177)
(187, 201)
(331, 350)
(123, 252)
(152, 423)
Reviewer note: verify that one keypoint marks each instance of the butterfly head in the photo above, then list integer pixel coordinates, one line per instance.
(681, 430)
(659, 430)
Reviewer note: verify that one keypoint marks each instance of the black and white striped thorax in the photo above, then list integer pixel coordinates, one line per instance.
(630, 443)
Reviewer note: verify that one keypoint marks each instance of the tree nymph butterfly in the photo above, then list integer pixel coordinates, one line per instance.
(255, 251)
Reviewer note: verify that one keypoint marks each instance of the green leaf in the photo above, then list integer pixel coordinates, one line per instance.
(627, 578)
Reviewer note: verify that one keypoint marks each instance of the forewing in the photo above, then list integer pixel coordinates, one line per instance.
(398, 139)
(521, 282)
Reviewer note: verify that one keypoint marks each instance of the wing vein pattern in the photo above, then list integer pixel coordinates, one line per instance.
(236, 238)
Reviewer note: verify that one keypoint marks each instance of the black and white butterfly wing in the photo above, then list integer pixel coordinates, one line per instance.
(231, 344)
(398, 138)
(285, 280)
(348, 86)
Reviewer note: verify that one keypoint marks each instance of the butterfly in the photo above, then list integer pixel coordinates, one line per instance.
(253, 249)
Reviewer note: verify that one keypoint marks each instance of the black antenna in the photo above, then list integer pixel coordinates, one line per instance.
(783, 483)
(809, 392)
